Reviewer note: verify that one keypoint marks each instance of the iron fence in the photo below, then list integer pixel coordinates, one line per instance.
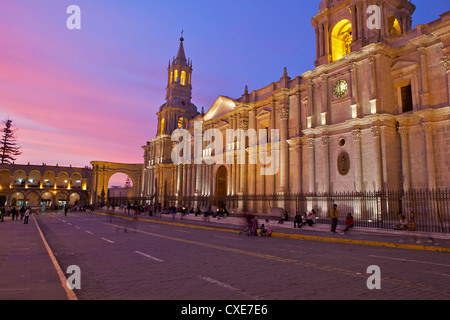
(425, 210)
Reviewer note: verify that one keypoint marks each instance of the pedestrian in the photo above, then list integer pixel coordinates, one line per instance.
(297, 220)
(2, 213)
(254, 226)
(13, 213)
(66, 208)
(22, 212)
(402, 223)
(348, 222)
(27, 215)
(265, 230)
(334, 213)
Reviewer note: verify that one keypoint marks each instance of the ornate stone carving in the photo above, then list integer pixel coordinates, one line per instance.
(284, 113)
(343, 163)
(356, 133)
(376, 131)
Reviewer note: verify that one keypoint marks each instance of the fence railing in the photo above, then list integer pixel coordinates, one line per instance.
(425, 210)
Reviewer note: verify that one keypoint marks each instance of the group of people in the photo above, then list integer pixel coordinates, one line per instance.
(255, 229)
(306, 218)
(23, 212)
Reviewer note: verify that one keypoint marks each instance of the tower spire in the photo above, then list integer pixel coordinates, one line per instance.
(181, 56)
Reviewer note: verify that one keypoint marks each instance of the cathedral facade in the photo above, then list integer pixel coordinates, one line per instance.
(373, 115)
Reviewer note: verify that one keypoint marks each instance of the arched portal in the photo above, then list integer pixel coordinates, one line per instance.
(341, 38)
(221, 185)
(393, 26)
(103, 171)
(32, 199)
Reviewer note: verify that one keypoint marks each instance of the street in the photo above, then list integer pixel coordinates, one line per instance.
(130, 259)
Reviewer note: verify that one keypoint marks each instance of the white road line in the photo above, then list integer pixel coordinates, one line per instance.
(77, 227)
(228, 287)
(407, 260)
(107, 240)
(89, 232)
(148, 256)
(230, 238)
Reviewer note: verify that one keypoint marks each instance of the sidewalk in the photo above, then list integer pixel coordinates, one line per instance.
(319, 232)
(26, 269)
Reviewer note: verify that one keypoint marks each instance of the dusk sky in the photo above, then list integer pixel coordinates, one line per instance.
(92, 94)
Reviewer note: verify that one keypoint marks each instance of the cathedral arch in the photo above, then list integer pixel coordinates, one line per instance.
(183, 78)
(341, 38)
(393, 26)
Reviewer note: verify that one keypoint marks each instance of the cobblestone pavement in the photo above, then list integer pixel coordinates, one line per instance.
(137, 259)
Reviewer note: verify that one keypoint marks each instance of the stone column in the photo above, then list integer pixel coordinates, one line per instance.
(312, 166)
(355, 99)
(374, 92)
(376, 131)
(404, 140)
(253, 155)
(358, 160)
(425, 96)
(179, 179)
(185, 181)
(284, 149)
(326, 162)
(243, 167)
(431, 170)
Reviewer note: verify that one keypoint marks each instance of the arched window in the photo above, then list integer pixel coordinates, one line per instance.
(393, 26)
(161, 129)
(176, 76)
(171, 77)
(181, 122)
(183, 78)
(341, 38)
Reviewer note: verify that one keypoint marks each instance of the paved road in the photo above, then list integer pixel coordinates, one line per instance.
(132, 259)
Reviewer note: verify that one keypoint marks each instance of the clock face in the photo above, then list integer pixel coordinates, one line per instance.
(340, 89)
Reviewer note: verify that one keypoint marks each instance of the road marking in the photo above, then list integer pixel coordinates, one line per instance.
(69, 292)
(148, 256)
(230, 238)
(107, 240)
(408, 260)
(228, 287)
(77, 227)
(89, 232)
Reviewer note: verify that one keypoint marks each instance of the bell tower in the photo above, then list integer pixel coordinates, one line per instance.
(343, 26)
(178, 109)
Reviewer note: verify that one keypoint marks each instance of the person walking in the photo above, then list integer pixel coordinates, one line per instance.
(27, 215)
(334, 213)
(13, 213)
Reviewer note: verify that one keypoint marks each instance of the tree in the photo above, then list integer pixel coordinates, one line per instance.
(9, 149)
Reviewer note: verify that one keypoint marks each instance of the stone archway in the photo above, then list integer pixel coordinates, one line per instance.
(221, 186)
(101, 173)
